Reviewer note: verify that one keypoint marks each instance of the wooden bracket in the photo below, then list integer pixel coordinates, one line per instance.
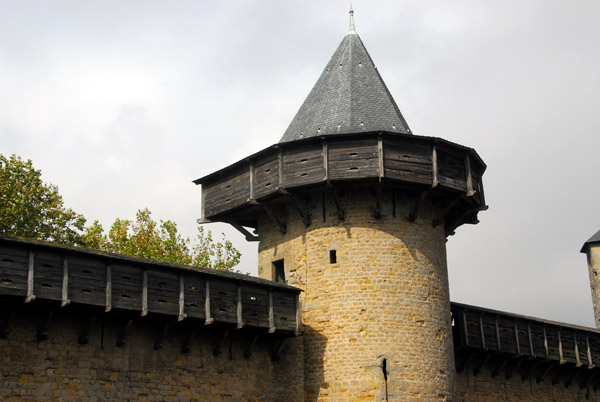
(414, 214)
(275, 356)
(280, 225)
(249, 236)
(185, 348)
(123, 331)
(377, 212)
(569, 381)
(162, 334)
(477, 370)
(527, 374)
(5, 321)
(305, 215)
(540, 377)
(84, 335)
(496, 371)
(248, 351)
(460, 367)
(42, 332)
(589, 379)
(440, 218)
(219, 345)
(338, 206)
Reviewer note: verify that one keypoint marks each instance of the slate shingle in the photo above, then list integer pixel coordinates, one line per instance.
(349, 97)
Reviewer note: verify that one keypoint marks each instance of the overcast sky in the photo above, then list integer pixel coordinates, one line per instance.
(122, 104)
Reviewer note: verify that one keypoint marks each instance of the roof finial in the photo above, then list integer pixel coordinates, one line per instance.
(352, 30)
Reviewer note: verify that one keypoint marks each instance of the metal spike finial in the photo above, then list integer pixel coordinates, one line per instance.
(352, 30)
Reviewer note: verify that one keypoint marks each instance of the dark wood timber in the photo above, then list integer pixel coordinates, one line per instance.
(532, 347)
(71, 278)
(395, 161)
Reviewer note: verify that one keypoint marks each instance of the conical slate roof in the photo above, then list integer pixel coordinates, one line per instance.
(592, 240)
(349, 97)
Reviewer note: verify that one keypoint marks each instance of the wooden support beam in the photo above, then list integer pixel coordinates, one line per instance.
(514, 368)
(182, 313)
(441, 216)
(338, 205)
(161, 335)
(280, 225)
(208, 319)
(540, 377)
(248, 350)
(546, 344)
(465, 330)
(497, 370)
(589, 352)
(42, 330)
(434, 166)
(219, 345)
(249, 236)
(377, 212)
(240, 321)
(271, 314)
(531, 353)
(30, 296)
(251, 174)
(65, 283)
(280, 167)
(325, 160)
(470, 191)
(5, 320)
(592, 374)
(123, 330)
(481, 333)
(144, 293)
(561, 357)
(108, 292)
(517, 338)
(185, 347)
(477, 370)
(577, 358)
(460, 367)
(569, 381)
(304, 214)
(414, 214)
(84, 335)
(275, 356)
(380, 166)
(497, 334)
(527, 374)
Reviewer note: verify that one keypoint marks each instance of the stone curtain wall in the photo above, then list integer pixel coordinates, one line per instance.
(484, 387)
(382, 306)
(60, 368)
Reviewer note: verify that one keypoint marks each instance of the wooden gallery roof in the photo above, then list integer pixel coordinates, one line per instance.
(36, 272)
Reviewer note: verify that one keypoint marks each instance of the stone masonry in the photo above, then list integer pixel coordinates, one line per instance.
(377, 319)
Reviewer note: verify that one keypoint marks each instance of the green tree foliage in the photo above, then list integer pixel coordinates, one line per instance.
(146, 238)
(31, 208)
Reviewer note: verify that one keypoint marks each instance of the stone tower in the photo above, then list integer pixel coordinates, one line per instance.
(354, 209)
(592, 249)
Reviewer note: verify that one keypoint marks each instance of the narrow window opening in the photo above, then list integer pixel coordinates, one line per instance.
(332, 256)
(278, 269)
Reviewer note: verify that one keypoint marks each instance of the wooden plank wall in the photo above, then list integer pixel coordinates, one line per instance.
(39, 273)
(489, 331)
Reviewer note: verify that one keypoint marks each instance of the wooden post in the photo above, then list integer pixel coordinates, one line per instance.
(240, 322)
(380, 157)
(182, 314)
(325, 160)
(517, 338)
(65, 283)
(465, 330)
(576, 350)
(30, 296)
(144, 292)
(271, 314)
(469, 177)
(546, 344)
(252, 180)
(481, 331)
(589, 352)
(497, 334)
(280, 166)
(531, 340)
(209, 319)
(434, 166)
(298, 315)
(108, 288)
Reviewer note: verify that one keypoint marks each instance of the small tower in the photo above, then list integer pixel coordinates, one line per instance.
(354, 209)
(592, 249)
